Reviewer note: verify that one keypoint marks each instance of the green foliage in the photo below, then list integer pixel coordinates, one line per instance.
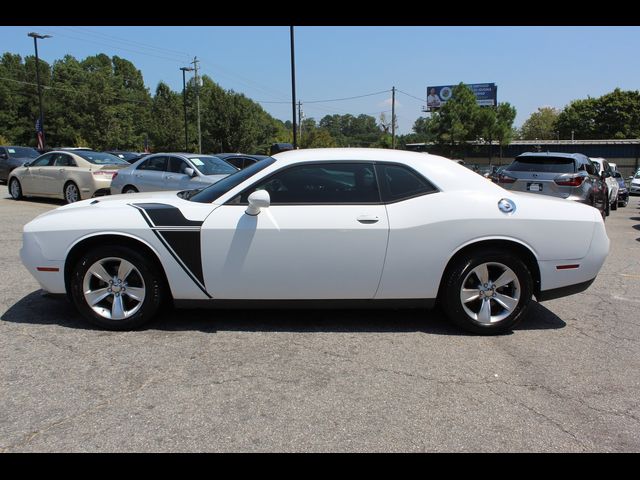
(614, 115)
(541, 125)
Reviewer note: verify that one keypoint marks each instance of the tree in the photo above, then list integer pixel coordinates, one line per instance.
(541, 125)
(457, 121)
(613, 115)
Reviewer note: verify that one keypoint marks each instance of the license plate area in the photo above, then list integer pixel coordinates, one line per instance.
(534, 187)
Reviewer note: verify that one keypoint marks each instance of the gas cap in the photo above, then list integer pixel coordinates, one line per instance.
(506, 205)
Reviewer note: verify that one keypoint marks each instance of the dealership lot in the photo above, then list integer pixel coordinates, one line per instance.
(567, 379)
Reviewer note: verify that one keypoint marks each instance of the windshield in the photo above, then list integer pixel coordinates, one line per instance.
(216, 190)
(212, 165)
(100, 158)
(542, 164)
(126, 155)
(22, 152)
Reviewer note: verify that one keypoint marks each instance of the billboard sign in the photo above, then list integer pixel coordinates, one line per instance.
(486, 95)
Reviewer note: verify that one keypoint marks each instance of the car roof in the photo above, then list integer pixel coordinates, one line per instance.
(226, 155)
(574, 156)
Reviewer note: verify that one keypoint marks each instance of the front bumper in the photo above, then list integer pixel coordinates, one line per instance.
(48, 273)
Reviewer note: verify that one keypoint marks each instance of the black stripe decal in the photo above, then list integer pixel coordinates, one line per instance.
(183, 245)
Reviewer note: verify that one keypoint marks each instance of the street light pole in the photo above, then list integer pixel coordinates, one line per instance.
(184, 102)
(35, 37)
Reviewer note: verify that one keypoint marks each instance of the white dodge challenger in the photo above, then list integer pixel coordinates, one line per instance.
(321, 227)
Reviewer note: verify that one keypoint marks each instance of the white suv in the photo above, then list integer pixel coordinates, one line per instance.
(612, 184)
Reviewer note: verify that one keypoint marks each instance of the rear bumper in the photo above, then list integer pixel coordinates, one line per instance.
(564, 291)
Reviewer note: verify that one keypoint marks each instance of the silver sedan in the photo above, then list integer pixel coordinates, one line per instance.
(171, 171)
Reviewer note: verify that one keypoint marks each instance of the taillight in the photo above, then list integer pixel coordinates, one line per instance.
(502, 178)
(570, 181)
(102, 173)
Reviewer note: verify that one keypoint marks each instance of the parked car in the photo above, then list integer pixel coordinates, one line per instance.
(634, 185)
(130, 157)
(12, 157)
(606, 172)
(564, 175)
(240, 160)
(69, 175)
(344, 226)
(623, 191)
(171, 171)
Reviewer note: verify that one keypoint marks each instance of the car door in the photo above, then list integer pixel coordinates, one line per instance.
(175, 177)
(4, 163)
(54, 177)
(149, 176)
(31, 179)
(324, 236)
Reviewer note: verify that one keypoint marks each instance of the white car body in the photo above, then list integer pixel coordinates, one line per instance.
(604, 166)
(216, 251)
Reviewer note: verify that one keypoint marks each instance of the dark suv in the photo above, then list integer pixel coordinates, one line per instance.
(564, 175)
(12, 157)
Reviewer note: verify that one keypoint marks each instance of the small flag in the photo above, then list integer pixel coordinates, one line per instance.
(40, 134)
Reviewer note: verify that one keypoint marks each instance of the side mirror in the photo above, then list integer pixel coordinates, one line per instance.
(27, 164)
(257, 200)
(190, 171)
(4, 155)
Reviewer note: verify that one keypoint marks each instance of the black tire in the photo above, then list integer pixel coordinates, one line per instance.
(15, 189)
(130, 189)
(148, 275)
(607, 206)
(461, 269)
(623, 203)
(614, 204)
(68, 196)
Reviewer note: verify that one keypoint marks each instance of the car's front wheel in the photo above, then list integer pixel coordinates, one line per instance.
(117, 288)
(487, 291)
(129, 189)
(15, 189)
(614, 204)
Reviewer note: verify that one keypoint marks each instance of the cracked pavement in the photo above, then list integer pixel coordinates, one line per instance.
(566, 380)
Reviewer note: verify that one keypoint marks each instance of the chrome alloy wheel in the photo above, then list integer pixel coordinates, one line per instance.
(14, 188)
(114, 288)
(71, 193)
(490, 292)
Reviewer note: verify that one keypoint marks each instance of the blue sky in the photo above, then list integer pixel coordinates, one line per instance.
(532, 66)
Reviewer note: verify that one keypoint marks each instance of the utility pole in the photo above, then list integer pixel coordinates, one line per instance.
(35, 37)
(300, 115)
(393, 117)
(195, 67)
(184, 102)
(293, 88)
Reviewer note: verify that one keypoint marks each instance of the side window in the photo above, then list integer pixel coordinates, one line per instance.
(327, 183)
(44, 161)
(155, 164)
(62, 160)
(235, 161)
(399, 183)
(177, 165)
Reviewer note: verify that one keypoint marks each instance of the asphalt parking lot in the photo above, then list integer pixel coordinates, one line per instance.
(566, 380)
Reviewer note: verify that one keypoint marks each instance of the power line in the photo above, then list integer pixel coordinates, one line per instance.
(348, 98)
(422, 100)
(174, 59)
(82, 30)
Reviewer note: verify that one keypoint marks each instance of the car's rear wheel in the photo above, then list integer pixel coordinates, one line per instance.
(129, 189)
(487, 291)
(15, 189)
(71, 192)
(614, 204)
(117, 288)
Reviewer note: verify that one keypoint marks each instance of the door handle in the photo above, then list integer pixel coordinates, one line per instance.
(168, 177)
(368, 219)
